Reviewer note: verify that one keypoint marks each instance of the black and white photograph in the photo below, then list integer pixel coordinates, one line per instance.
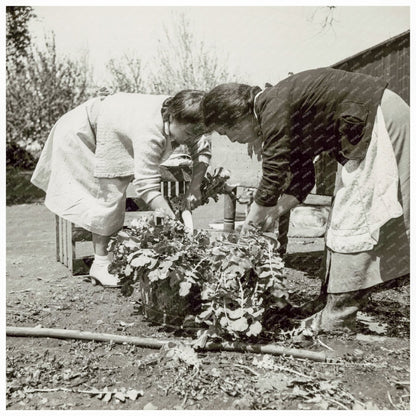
(207, 206)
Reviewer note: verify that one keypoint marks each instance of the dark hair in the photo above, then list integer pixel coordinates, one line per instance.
(225, 104)
(185, 106)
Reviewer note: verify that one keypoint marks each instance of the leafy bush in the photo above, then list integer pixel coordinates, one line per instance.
(38, 91)
(183, 62)
(17, 33)
(223, 284)
(126, 74)
(18, 157)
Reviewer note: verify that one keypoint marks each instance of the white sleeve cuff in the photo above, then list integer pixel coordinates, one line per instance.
(203, 159)
(149, 196)
(146, 189)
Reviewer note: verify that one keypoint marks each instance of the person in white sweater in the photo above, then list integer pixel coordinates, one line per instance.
(95, 150)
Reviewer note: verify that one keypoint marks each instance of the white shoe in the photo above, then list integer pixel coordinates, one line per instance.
(99, 274)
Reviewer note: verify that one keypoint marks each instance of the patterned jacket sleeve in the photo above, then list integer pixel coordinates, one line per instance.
(200, 150)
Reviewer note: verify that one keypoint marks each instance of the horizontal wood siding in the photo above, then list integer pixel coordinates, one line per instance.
(390, 61)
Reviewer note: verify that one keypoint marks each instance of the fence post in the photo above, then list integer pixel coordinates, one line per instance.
(229, 210)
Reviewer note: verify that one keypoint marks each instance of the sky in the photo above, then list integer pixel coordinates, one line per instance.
(259, 44)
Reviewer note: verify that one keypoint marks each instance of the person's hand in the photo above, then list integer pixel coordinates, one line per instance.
(269, 223)
(266, 225)
(247, 227)
(193, 198)
(259, 217)
(264, 218)
(161, 207)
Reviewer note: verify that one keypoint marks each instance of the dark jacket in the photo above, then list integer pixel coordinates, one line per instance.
(306, 114)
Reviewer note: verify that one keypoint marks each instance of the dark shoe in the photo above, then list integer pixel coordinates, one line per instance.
(309, 308)
(339, 313)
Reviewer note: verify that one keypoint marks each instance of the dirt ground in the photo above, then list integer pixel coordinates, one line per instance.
(369, 369)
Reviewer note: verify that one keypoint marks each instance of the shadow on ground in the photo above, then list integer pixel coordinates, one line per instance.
(308, 263)
(19, 189)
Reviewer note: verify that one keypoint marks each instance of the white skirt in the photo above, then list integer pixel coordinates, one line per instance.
(65, 171)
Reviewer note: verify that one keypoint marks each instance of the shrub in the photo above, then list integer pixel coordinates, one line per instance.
(39, 91)
(126, 74)
(183, 62)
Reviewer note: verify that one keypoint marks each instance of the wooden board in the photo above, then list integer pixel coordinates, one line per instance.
(313, 199)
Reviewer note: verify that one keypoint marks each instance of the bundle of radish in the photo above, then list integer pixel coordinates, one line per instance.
(220, 286)
(212, 186)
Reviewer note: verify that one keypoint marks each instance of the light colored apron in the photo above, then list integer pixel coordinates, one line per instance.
(368, 233)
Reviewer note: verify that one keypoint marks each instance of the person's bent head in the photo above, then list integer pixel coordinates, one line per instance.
(184, 115)
(228, 109)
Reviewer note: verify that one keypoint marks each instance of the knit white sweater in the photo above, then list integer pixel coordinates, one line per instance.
(130, 141)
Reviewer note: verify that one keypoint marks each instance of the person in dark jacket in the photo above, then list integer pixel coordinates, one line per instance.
(365, 127)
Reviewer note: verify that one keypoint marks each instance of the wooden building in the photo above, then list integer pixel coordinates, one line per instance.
(389, 60)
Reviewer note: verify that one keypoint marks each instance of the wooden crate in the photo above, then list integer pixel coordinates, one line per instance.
(69, 237)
